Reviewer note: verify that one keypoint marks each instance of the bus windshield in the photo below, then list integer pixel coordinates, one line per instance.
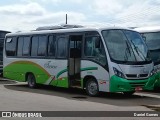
(153, 42)
(125, 46)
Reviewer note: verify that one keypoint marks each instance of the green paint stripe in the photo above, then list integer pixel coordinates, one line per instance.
(30, 63)
(61, 72)
(89, 68)
(82, 69)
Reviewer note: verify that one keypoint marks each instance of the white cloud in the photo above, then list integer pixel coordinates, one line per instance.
(50, 1)
(106, 7)
(76, 1)
(31, 15)
(22, 9)
(127, 12)
(140, 14)
(59, 18)
(55, 2)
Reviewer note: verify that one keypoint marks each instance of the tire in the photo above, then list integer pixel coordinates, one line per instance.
(31, 81)
(92, 88)
(129, 93)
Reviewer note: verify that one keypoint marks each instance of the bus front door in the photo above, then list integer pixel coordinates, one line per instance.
(74, 61)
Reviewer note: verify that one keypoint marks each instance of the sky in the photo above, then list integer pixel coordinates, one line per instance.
(22, 15)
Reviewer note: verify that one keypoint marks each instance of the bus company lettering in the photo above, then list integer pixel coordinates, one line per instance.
(49, 65)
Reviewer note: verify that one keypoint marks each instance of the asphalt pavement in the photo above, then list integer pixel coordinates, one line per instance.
(15, 96)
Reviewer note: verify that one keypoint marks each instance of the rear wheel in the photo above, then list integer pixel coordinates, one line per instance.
(92, 87)
(31, 81)
(129, 93)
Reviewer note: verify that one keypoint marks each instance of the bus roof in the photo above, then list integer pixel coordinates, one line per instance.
(148, 29)
(81, 29)
(4, 31)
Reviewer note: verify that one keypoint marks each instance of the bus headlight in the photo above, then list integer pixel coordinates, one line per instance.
(118, 73)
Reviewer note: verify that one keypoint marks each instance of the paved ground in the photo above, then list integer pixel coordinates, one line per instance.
(18, 97)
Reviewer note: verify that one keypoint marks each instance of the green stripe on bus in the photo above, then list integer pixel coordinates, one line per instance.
(61, 72)
(89, 68)
(28, 63)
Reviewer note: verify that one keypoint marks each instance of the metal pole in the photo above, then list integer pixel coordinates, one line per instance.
(66, 18)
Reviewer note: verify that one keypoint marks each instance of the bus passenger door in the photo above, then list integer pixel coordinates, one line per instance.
(74, 60)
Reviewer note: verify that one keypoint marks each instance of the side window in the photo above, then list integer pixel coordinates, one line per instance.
(34, 46)
(94, 49)
(11, 44)
(42, 45)
(62, 43)
(20, 46)
(51, 46)
(26, 46)
(23, 46)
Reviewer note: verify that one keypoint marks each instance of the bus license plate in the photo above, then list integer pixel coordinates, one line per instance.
(138, 89)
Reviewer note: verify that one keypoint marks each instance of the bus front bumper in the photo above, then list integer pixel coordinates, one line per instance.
(118, 84)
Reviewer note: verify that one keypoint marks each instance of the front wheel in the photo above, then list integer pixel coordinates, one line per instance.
(128, 93)
(92, 87)
(31, 81)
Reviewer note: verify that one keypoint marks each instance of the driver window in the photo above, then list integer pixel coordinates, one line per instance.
(94, 49)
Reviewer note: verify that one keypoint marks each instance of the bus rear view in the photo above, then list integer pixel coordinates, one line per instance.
(2, 36)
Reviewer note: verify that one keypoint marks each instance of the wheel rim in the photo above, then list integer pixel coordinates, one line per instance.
(92, 88)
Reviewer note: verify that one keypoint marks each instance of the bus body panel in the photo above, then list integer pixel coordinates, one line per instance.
(53, 72)
(137, 69)
(90, 68)
(133, 77)
(46, 71)
(118, 84)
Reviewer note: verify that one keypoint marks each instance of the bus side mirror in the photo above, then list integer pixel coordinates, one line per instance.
(97, 42)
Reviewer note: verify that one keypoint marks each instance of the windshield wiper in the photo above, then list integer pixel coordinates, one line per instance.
(138, 51)
(127, 51)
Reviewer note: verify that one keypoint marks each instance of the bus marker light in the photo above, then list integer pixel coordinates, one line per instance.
(102, 82)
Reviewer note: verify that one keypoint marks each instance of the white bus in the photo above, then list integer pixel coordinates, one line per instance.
(151, 36)
(110, 59)
(2, 36)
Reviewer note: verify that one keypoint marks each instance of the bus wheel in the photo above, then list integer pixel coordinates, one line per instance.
(31, 81)
(92, 87)
(128, 93)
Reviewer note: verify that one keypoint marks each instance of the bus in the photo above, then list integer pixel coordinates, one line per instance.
(2, 36)
(151, 36)
(109, 59)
